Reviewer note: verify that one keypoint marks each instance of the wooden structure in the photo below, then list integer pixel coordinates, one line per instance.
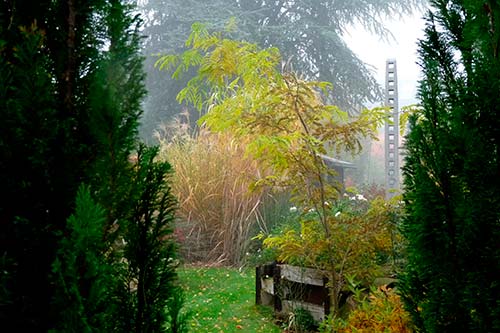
(339, 166)
(287, 288)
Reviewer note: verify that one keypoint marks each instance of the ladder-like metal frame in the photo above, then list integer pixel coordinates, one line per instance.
(392, 131)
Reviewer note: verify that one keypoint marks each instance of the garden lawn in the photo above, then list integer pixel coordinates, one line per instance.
(223, 300)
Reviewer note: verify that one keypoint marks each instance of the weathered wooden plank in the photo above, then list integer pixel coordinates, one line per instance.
(317, 311)
(267, 285)
(310, 276)
(258, 287)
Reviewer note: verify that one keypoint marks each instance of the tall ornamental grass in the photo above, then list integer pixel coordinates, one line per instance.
(211, 181)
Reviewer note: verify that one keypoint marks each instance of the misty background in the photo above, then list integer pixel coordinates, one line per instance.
(345, 42)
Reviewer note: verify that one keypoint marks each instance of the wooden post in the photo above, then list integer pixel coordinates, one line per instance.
(326, 297)
(277, 288)
(258, 285)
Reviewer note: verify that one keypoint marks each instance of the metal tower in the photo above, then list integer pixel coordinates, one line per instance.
(392, 130)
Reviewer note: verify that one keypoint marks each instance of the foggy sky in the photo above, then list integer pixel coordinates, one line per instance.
(403, 48)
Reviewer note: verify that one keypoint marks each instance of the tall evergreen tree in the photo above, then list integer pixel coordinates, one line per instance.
(115, 92)
(452, 173)
(149, 249)
(28, 130)
(71, 90)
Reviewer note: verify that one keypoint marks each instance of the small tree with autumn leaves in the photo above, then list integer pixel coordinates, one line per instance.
(239, 89)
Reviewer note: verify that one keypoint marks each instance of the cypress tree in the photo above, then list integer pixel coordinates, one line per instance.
(115, 93)
(149, 289)
(28, 130)
(70, 96)
(452, 173)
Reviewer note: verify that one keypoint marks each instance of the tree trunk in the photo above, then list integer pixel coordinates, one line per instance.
(334, 293)
(69, 73)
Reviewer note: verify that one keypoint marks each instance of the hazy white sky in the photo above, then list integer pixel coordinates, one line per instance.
(403, 48)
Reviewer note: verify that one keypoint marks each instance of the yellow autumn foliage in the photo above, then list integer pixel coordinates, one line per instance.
(382, 312)
(355, 241)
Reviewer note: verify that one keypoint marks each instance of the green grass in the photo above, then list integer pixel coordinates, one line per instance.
(223, 300)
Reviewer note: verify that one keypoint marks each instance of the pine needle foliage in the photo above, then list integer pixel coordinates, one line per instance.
(114, 97)
(150, 249)
(70, 98)
(82, 272)
(452, 171)
(28, 133)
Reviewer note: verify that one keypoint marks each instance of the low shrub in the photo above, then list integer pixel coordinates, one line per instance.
(382, 311)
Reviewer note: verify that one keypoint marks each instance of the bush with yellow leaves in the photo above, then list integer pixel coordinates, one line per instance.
(382, 311)
(362, 241)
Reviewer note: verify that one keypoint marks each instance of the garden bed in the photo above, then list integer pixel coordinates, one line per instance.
(287, 288)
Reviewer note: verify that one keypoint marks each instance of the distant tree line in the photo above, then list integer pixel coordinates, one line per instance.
(308, 33)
